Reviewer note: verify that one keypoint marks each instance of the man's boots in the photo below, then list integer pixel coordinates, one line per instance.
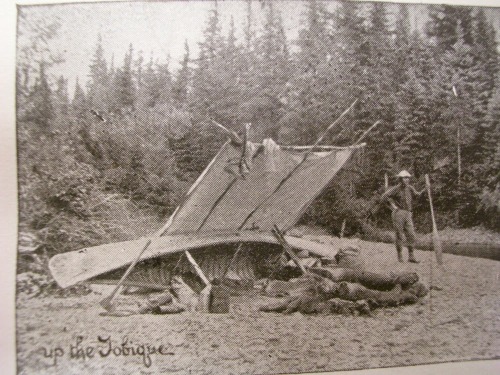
(411, 256)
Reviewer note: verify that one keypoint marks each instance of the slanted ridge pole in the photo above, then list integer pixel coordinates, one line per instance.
(235, 138)
(309, 151)
(333, 124)
(242, 165)
(366, 132)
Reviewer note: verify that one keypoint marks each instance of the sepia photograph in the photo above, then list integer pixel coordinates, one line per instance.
(256, 186)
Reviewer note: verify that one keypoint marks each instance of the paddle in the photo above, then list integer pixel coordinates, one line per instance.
(107, 303)
(436, 241)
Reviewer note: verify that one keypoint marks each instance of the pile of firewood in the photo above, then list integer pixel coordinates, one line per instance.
(324, 290)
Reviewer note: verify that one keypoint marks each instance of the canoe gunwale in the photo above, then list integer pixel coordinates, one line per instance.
(81, 265)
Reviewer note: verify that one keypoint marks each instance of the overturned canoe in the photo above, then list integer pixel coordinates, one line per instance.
(82, 265)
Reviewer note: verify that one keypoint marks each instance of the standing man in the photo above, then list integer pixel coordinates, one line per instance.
(400, 198)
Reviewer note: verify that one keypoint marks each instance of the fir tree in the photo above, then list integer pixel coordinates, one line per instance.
(249, 31)
(181, 84)
(79, 102)
(314, 38)
(212, 38)
(98, 85)
(265, 107)
(42, 109)
(61, 97)
(124, 89)
(164, 82)
(442, 26)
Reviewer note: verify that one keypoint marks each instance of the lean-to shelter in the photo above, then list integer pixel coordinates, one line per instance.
(244, 192)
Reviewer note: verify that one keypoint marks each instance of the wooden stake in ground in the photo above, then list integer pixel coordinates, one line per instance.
(436, 241)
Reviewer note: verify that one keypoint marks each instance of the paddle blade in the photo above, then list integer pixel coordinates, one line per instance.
(107, 303)
(438, 249)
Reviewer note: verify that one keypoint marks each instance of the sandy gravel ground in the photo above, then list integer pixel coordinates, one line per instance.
(458, 322)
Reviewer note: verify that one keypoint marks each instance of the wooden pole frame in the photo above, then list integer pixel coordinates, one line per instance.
(288, 248)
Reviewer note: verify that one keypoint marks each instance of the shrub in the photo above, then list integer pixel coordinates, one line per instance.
(489, 207)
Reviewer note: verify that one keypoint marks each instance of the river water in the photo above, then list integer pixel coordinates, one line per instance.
(474, 250)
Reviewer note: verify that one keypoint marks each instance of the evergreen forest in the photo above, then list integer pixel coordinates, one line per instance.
(112, 159)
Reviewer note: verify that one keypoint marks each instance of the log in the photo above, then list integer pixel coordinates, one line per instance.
(354, 299)
(395, 297)
(335, 274)
(310, 304)
(173, 308)
(368, 279)
(418, 289)
(276, 306)
(293, 287)
(314, 306)
(292, 306)
(406, 280)
(339, 306)
(305, 284)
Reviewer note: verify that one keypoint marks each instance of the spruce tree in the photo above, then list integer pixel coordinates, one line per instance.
(79, 102)
(181, 84)
(40, 98)
(443, 22)
(61, 97)
(124, 88)
(98, 85)
(272, 63)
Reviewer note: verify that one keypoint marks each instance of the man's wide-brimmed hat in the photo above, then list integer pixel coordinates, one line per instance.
(403, 173)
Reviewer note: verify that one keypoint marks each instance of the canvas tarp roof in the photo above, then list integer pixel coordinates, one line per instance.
(275, 191)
